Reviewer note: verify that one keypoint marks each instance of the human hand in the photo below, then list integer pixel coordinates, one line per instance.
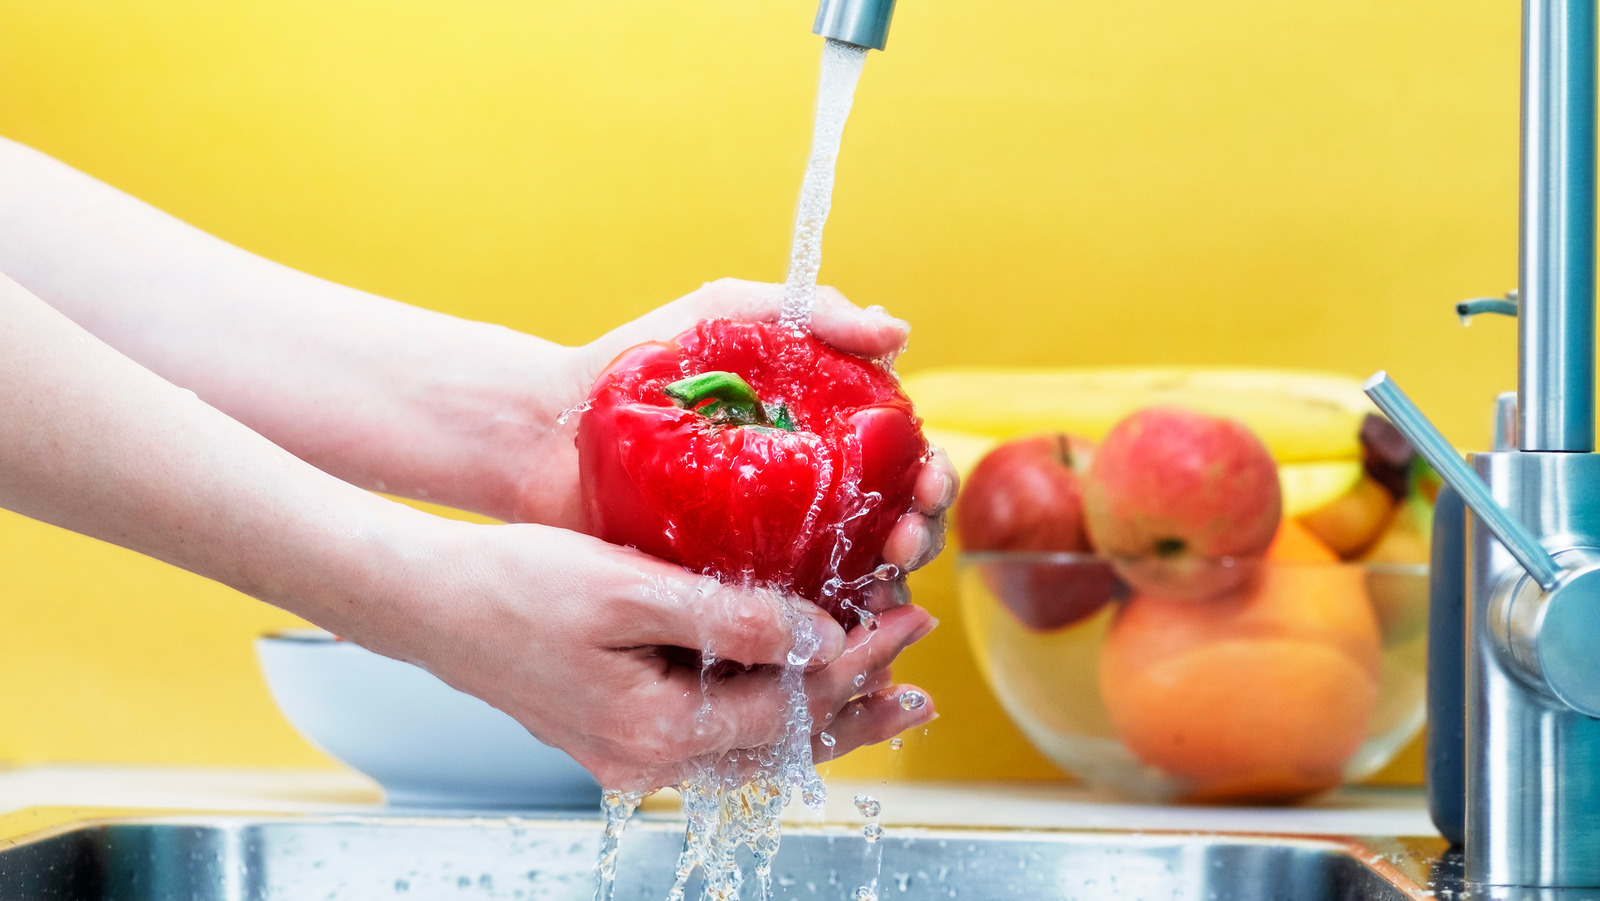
(551, 494)
(594, 648)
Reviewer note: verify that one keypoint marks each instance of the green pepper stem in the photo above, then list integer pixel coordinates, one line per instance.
(722, 396)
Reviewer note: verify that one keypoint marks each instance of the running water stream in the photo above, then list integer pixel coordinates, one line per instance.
(618, 808)
(836, 91)
(737, 801)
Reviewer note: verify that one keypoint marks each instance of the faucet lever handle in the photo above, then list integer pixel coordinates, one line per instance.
(1442, 457)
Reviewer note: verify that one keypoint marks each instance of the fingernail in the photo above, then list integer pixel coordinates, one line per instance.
(881, 317)
(928, 547)
(830, 637)
(899, 593)
(921, 632)
(924, 547)
(912, 700)
(947, 495)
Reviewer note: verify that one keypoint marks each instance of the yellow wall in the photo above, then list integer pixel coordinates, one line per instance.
(1028, 181)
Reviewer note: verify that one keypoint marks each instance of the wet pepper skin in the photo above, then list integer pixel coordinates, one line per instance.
(755, 503)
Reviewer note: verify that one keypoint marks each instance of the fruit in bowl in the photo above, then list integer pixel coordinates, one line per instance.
(1263, 693)
(1234, 655)
(1027, 495)
(1282, 691)
(1172, 491)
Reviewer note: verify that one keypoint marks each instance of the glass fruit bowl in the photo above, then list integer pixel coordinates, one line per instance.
(1297, 678)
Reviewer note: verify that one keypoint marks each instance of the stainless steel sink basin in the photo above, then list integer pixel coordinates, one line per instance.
(304, 858)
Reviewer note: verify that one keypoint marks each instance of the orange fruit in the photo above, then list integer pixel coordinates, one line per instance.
(1295, 543)
(1261, 695)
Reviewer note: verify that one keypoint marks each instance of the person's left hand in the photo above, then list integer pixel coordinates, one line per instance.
(550, 494)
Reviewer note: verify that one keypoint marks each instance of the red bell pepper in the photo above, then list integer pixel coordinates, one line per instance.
(754, 453)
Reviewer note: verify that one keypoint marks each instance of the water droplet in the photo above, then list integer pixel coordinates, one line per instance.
(570, 412)
(865, 893)
(896, 744)
(798, 659)
(861, 680)
(913, 700)
(826, 739)
(868, 805)
(401, 886)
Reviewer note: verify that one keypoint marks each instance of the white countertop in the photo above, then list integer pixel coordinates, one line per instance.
(1355, 811)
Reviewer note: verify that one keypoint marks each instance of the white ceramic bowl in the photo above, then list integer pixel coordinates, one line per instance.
(424, 742)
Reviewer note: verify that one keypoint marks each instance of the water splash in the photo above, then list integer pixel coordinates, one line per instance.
(738, 800)
(841, 70)
(618, 808)
(873, 833)
(574, 410)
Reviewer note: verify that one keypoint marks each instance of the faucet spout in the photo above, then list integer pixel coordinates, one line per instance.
(864, 23)
(1557, 324)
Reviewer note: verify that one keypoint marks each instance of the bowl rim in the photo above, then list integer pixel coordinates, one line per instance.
(303, 635)
(966, 558)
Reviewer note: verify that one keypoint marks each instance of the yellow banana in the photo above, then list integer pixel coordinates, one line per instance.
(1302, 417)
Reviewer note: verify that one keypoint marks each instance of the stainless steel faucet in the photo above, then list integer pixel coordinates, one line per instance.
(1532, 625)
(864, 23)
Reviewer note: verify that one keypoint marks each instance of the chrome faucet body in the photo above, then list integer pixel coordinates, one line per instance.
(1533, 751)
(1532, 758)
(1555, 331)
(1532, 541)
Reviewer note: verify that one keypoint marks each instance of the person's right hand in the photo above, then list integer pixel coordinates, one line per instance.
(594, 649)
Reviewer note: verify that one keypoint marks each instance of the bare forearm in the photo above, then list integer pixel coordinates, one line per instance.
(382, 394)
(92, 442)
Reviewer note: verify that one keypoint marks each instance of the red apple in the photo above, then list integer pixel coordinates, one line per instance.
(1027, 495)
(1184, 502)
